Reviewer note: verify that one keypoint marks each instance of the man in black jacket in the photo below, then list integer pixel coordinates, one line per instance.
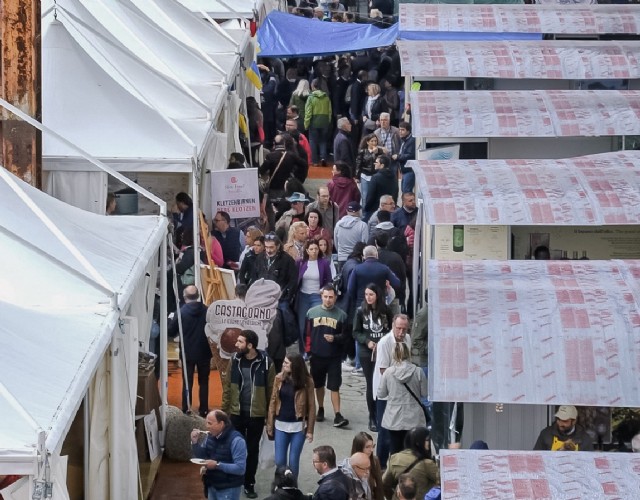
(383, 182)
(342, 146)
(276, 265)
(333, 484)
(195, 350)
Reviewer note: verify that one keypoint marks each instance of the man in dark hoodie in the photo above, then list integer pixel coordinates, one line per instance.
(317, 119)
(383, 182)
(195, 350)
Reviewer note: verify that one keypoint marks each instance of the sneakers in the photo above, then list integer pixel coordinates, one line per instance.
(250, 492)
(320, 415)
(357, 371)
(340, 421)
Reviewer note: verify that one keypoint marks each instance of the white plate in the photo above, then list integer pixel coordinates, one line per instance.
(198, 461)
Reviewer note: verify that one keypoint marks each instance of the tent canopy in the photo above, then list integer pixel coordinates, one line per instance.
(558, 59)
(537, 474)
(226, 9)
(538, 113)
(535, 332)
(554, 18)
(589, 190)
(56, 284)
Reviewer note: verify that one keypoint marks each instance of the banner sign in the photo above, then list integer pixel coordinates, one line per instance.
(235, 192)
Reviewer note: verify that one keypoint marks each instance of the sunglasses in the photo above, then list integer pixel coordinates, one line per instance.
(270, 237)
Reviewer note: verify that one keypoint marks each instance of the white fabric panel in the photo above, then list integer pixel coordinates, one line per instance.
(129, 128)
(159, 165)
(534, 332)
(216, 159)
(557, 59)
(569, 19)
(589, 190)
(99, 433)
(233, 135)
(85, 190)
(141, 305)
(538, 113)
(226, 9)
(123, 459)
(538, 474)
(23, 488)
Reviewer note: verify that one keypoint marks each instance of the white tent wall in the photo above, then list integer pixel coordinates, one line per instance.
(216, 159)
(86, 190)
(142, 302)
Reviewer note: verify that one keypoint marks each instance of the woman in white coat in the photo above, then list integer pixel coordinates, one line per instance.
(403, 411)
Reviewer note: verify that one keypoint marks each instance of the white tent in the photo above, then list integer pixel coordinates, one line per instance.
(68, 279)
(232, 9)
(148, 97)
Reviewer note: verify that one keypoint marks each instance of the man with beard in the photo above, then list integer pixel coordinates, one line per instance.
(564, 435)
(246, 396)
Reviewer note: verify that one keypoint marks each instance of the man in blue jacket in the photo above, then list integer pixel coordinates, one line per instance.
(371, 270)
(225, 455)
(333, 484)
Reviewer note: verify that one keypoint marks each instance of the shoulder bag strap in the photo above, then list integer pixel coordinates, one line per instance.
(412, 465)
(277, 167)
(424, 410)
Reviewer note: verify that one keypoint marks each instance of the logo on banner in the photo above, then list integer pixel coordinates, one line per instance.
(257, 312)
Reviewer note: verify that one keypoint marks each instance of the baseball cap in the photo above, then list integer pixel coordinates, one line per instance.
(567, 412)
(353, 206)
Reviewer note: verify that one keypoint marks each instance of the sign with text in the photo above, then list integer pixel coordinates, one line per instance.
(235, 192)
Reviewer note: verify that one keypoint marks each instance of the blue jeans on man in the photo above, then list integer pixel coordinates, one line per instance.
(226, 494)
(318, 141)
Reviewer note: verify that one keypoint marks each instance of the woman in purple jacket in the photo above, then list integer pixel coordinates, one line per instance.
(313, 273)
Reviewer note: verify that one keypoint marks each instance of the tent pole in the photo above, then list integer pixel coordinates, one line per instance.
(195, 191)
(164, 363)
(86, 433)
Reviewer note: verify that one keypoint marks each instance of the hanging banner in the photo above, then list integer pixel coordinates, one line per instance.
(235, 192)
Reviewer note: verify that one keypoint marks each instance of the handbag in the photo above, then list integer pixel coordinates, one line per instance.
(263, 183)
(267, 453)
(427, 418)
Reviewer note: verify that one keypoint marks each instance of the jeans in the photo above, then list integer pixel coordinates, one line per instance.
(226, 494)
(367, 370)
(251, 429)
(318, 141)
(356, 361)
(364, 190)
(203, 385)
(304, 302)
(382, 450)
(293, 443)
(408, 182)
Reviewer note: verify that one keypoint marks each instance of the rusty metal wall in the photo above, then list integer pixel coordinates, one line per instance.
(20, 83)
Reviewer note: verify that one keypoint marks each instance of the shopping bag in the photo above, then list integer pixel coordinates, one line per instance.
(267, 455)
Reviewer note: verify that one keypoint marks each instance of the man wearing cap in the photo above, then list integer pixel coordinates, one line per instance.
(294, 214)
(349, 231)
(564, 434)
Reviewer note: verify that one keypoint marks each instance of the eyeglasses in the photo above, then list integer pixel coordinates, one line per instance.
(366, 469)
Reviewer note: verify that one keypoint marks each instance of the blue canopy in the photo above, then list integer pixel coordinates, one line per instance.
(283, 35)
(286, 35)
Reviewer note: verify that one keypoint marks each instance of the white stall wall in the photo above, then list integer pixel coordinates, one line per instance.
(599, 242)
(515, 428)
(542, 147)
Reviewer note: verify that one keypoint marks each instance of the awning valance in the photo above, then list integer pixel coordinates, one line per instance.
(558, 59)
(538, 113)
(535, 332)
(599, 189)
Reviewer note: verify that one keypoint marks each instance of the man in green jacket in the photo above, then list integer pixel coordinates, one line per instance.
(317, 119)
(246, 395)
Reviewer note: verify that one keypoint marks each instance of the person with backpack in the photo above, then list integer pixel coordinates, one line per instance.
(414, 460)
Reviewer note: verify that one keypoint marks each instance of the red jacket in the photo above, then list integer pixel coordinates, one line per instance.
(342, 191)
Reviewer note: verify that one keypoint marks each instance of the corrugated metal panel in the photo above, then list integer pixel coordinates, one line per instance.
(473, 474)
(559, 59)
(590, 190)
(560, 19)
(537, 113)
(535, 332)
